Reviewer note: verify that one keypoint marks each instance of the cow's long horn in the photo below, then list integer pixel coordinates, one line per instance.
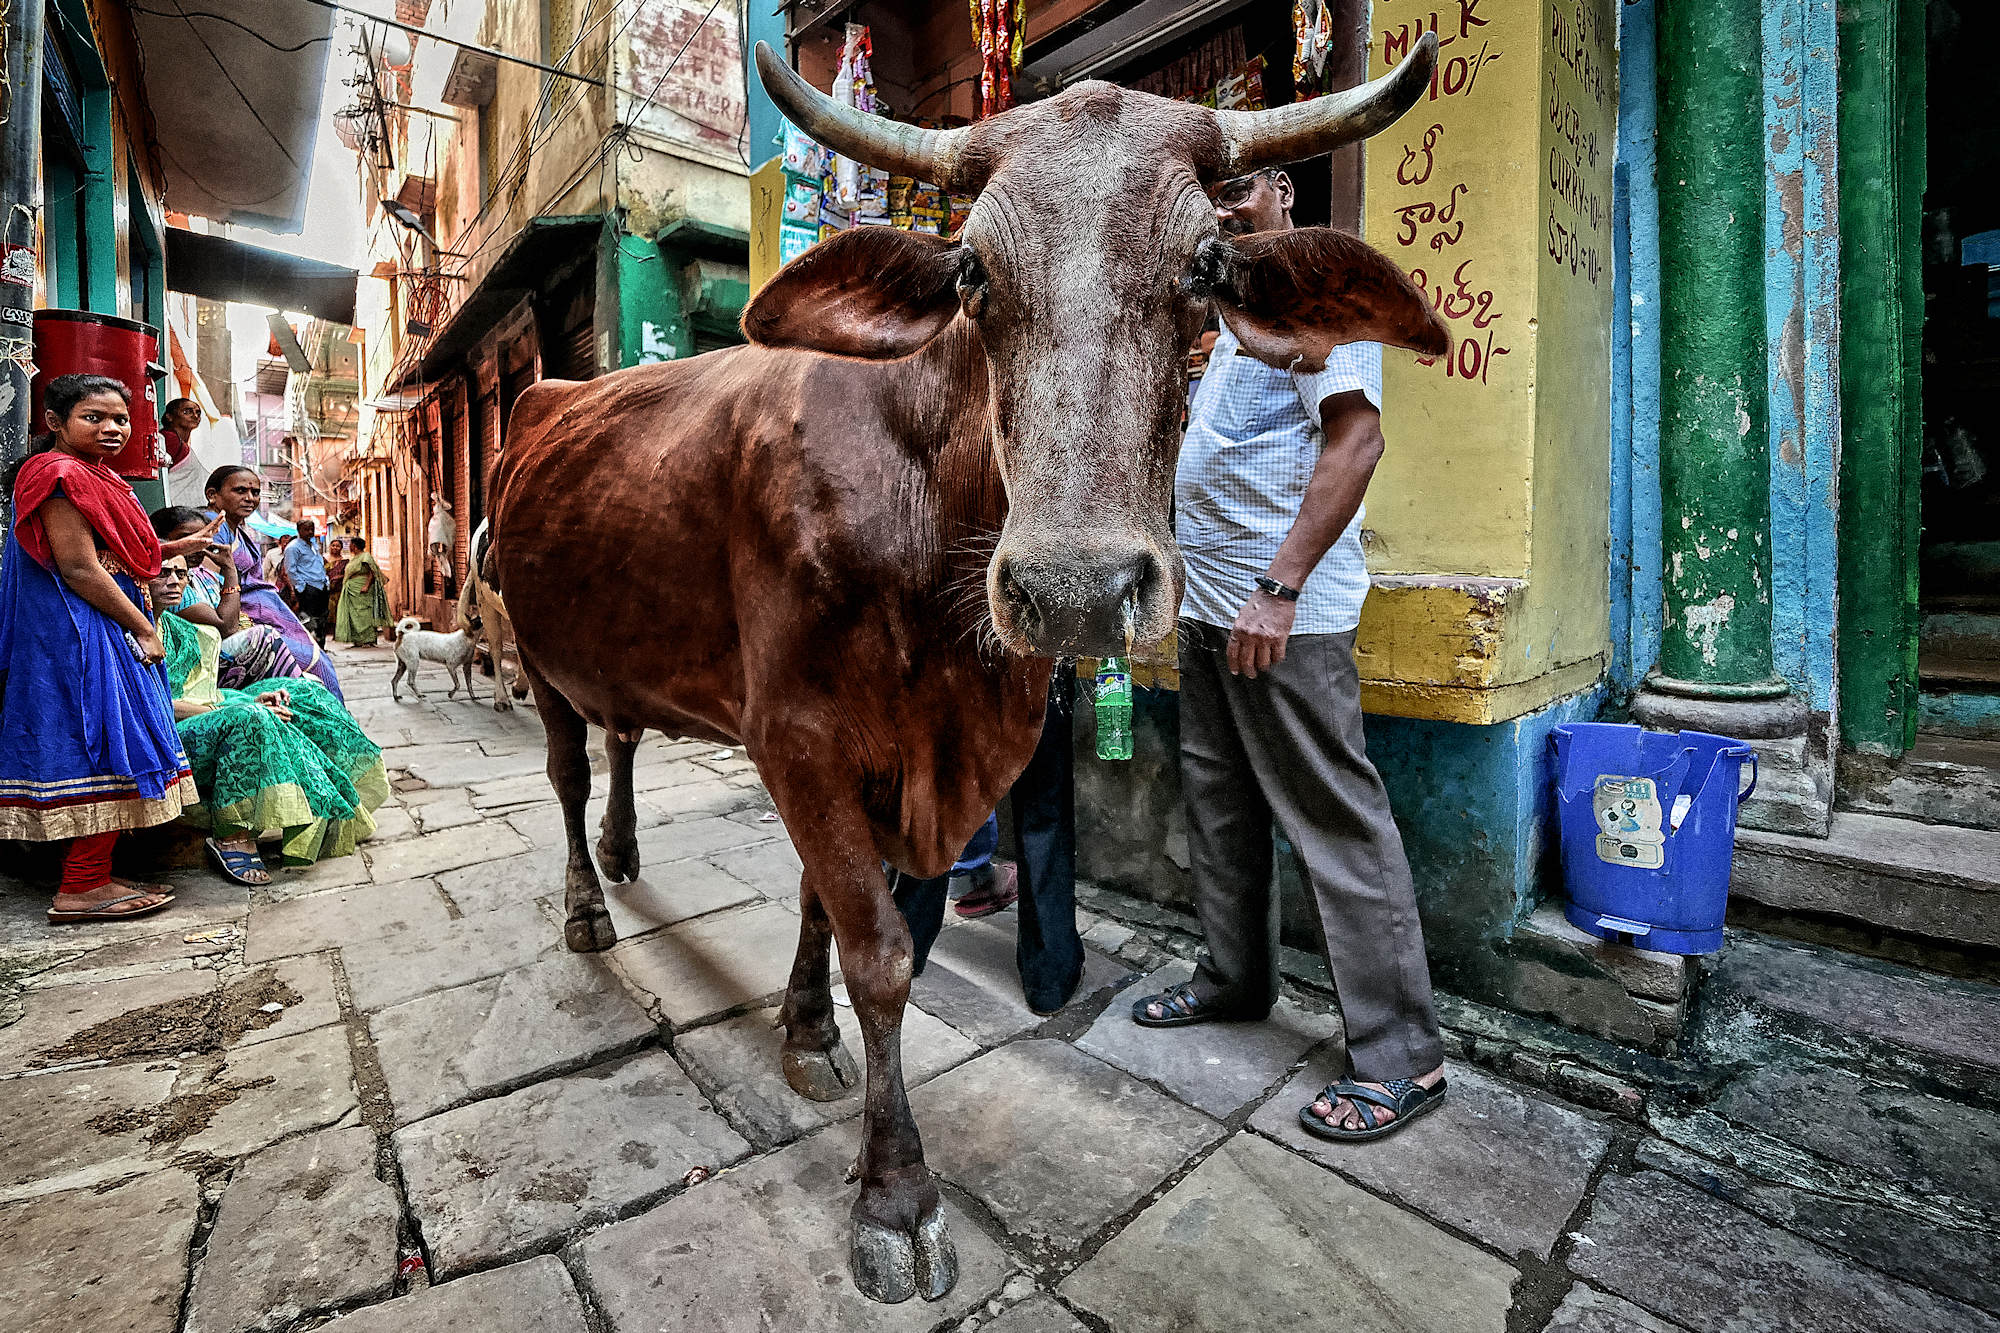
(1253, 140)
(901, 150)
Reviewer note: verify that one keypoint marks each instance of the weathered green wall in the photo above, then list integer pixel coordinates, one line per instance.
(1882, 144)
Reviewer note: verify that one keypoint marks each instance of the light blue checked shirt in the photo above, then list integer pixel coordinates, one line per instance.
(1253, 437)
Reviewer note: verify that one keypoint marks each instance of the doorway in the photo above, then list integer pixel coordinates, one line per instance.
(1958, 553)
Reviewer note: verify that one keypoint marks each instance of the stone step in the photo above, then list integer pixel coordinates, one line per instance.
(1933, 880)
(1962, 634)
(1940, 1021)
(1942, 780)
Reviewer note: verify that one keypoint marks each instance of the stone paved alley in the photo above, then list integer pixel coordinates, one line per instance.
(381, 1090)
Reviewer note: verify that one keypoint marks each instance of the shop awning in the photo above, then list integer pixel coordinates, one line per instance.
(234, 88)
(222, 269)
(532, 261)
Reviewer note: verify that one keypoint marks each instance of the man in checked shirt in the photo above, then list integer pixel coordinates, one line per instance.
(1268, 515)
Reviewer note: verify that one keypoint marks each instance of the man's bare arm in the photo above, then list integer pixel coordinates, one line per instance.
(1353, 431)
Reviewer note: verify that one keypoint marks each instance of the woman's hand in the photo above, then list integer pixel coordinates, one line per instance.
(151, 650)
(194, 541)
(278, 701)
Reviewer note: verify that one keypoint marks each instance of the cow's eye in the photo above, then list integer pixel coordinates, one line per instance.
(1208, 270)
(971, 284)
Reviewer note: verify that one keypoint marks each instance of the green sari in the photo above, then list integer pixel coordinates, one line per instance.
(364, 602)
(317, 778)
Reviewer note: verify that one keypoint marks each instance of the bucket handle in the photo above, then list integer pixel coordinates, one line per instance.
(1743, 754)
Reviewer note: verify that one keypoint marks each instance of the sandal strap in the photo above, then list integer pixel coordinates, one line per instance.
(1402, 1093)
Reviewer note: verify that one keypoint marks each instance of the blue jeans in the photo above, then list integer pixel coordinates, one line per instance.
(1047, 949)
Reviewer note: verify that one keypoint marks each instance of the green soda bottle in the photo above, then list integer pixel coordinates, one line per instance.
(1114, 709)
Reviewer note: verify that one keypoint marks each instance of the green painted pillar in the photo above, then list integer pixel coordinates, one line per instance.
(1714, 442)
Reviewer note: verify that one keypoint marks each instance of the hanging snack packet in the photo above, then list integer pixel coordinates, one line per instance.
(794, 241)
(801, 201)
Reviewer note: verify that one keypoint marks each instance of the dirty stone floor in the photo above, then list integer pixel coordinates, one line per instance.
(381, 1093)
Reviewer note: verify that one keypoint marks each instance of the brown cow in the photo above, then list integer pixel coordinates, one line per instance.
(858, 564)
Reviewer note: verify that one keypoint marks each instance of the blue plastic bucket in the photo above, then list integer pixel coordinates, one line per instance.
(1648, 825)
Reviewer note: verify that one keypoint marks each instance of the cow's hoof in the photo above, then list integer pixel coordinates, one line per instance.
(500, 704)
(824, 1076)
(891, 1266)
(592, 932)
(620, 864)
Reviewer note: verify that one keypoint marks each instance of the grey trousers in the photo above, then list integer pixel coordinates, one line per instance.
(1288, 745)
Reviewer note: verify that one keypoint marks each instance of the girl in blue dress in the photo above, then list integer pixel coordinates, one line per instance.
(87, 741)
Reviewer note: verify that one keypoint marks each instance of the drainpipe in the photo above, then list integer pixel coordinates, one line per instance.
(20, 163)
(1715, 670)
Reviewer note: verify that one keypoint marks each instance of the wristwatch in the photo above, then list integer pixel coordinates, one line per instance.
(1277, 589)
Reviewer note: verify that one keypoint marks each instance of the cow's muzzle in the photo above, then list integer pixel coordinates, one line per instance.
(1090, 603)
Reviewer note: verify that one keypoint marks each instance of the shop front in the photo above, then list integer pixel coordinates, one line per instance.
(1624, 492)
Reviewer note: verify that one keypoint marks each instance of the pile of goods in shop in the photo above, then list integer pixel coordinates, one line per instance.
(1218, 73)
(826, 193)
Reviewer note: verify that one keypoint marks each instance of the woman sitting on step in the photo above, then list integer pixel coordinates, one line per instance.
(279, 753)
(214, 597)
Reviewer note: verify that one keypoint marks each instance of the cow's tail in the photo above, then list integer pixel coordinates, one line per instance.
(479, 570)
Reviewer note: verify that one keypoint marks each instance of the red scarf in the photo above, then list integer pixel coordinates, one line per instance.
(105, 500)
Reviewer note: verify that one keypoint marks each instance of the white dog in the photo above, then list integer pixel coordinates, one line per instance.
(416, 644)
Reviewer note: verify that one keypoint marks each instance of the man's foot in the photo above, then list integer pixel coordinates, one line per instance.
(113, 901)
(1341, 1112)
(1182, 1006)
(995, 892)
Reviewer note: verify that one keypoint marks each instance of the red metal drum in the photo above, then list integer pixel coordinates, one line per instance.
(77, 342)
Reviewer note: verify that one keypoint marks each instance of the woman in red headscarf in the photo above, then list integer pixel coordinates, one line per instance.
(87, 740)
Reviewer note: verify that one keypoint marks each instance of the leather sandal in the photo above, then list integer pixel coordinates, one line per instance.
(1405, 1096)
(1184, 1008)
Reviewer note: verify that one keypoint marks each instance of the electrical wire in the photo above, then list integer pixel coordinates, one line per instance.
(224, 18)
(250, 106)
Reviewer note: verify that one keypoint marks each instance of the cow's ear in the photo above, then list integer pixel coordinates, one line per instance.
(873, 292)
(1293, 296)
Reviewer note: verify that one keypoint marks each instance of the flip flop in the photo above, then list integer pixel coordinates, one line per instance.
(235, 865)
(1405, 1096)
(104, 911)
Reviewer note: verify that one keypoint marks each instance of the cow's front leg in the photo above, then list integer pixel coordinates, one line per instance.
(588, 926)
(900, 1246)
(618, 836)
(817, 1064)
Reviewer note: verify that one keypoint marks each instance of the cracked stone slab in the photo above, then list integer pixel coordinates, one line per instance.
(434, 853)
(693, 835)
(54, 1014)
(449, 807)
(1260, 1238)
(765, 1247)
(714, 963)
(459, 763)
(1925, 1144)
(561, 1012)
(1713, 1268)
(1037, 1314)
(1961, 1261)
(339, 872)
(303, 1227)
(710, 796)
(973, 983)
(1055, 1142)
(532, 1297)
(202, 899)
(666, 894)
(259, 1094)
(543, 824)
(311, 975)
(151, 957)
(513, 879)
(1214, 1067)
(1492, 1160)
(772, 868)
(497, 1177)
(469, 949)
(369, 914)
(1588, 1311)
(93, 1261)
(77, 1128)
(739, 1062)
(392, 824)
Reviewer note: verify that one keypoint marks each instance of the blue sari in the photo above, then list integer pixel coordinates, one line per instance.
(87, 739)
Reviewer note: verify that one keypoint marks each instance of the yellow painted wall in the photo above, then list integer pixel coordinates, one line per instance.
(1487, 519)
